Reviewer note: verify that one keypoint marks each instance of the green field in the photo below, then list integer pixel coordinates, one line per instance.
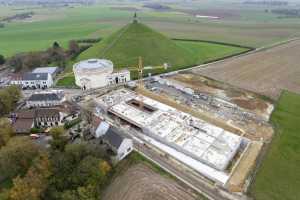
(205, 51)
(249, 26)
(279, 175)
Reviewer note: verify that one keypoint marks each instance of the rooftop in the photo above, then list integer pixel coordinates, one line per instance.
(35, 76)
(202, 141)
(45, 97)
(49, 70)
(113, 137)
(94, 64)
(47, 112)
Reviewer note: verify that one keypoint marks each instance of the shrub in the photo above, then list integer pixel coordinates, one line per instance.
(72, 123)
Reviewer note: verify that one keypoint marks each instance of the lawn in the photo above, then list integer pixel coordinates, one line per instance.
(66, 81)
(279, 175)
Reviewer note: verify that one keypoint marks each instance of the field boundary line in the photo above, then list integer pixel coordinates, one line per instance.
(234, 56)
(214, 42)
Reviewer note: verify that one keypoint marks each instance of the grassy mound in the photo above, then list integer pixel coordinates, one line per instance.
(279, 177)
(134, 40)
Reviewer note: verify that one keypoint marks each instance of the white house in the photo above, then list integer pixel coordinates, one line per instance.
(45, 99)
(120, 145)
(117, 77)
(33, 81)
(53, 71)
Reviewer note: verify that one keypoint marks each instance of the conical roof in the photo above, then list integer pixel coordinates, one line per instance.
(136, 39)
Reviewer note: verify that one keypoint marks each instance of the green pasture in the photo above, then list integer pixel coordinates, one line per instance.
(205, 51)
(279, 176)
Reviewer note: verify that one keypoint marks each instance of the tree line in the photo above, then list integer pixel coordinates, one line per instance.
(63, 172)
(9, 97)
(54, 55)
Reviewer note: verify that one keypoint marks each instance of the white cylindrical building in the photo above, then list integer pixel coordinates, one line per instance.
(92, 73)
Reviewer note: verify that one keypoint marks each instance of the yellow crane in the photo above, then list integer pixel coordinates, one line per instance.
(140, 68)
(140, 83)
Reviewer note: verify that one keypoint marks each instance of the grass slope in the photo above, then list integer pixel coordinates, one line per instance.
(202, 51)
(205, 51)
(279, 176)
(136, 39)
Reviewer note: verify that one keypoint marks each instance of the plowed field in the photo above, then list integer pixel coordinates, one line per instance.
(140, 182)
(266, 72)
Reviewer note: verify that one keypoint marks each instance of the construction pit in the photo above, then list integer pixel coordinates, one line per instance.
(242, 110)
(222, 155)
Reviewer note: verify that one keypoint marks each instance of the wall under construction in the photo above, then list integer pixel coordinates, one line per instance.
(198, 139)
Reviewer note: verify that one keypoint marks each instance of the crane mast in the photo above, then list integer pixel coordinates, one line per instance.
(140, 79)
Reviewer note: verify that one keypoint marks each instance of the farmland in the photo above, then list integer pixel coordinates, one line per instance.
(251, 26)
(279, 177)
(140, 182)
(266, 72)
(205, 51)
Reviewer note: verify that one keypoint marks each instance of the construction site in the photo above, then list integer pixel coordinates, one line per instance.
(208, 128)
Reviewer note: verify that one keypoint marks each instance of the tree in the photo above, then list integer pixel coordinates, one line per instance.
(33, 60)
(16, 157)
(88, 172)
(78, 170)
(105, 167)
(8, 98)
(55, 45)
(57, 55)
(2, 59)
(6, 132)
(6, 102)
(16, 62)
(35, 182)
(81, 193)
(59, 140)
(15, 93)
(74, 48)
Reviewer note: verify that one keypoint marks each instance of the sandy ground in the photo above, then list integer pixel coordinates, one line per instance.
(140, 182)
(244, 167)
(266, 72)
(242, 98)
(251, 130)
